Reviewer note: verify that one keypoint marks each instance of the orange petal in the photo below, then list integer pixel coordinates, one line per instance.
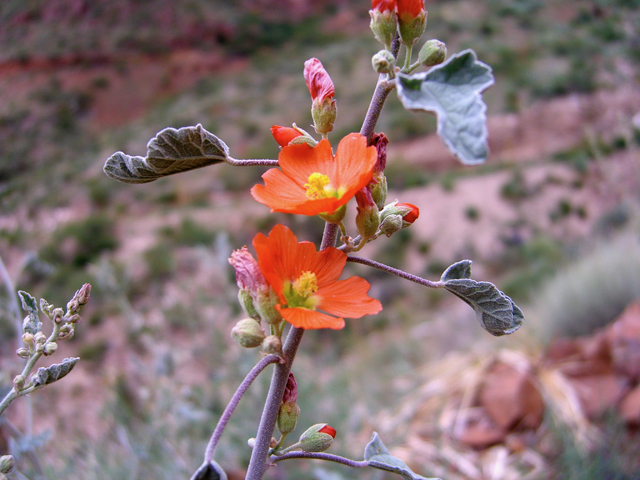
(310, 319)
(299, 161)
(355, 161)
(348, 298)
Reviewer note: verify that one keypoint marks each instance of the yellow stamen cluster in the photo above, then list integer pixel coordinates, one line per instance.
(316, 188)
(306, 285)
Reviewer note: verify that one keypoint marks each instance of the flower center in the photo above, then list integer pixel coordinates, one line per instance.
(316, 188)
(300, 292)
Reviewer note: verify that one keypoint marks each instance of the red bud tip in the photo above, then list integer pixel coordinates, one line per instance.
(412, 215)
(291, 390)
(383, 5)
(328, 430)
(318, 80)
(284, 135)
(410, 9)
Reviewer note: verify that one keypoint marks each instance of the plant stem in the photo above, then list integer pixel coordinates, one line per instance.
(258, 464)
(395, 271)
(233, 403)
(252, 162)
(321, 456)
(383, 88)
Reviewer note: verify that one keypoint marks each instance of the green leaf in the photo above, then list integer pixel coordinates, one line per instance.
(452, 91)
(53, 373)
(495, 311)
(209, 471)
(170, 151)
(31, 324)
(461, 269)
(377, 456)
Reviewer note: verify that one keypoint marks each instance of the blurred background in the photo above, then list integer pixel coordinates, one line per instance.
(552, 218)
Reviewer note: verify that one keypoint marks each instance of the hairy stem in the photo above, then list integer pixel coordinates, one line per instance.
(258, 464)
(395, 271)
(383, 88)
(320, 456)
(252, 162)
(233, 403)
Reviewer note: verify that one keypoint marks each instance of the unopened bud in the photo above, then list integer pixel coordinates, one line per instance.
(288, 418)
(23, 353)
(383, 62)
(27, 338)
(411, 216)
(75, 318)
(39, 338)
(58, 313)
(18, 382)
(432, 53)
(251, 442)
(384, 22)
(50, 348)
(246, 302)
(322, 90)
(391, 224)
(39, 348)
(46, 307)
(412, 20)
(265, 302)
(66, 331)
(272, 345)
(7, 463)
(317, 438)
(368, 216)
(248, 333)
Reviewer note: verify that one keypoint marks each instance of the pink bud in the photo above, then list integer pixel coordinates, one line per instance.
(248, 273)
(318, 80)
(291, 390)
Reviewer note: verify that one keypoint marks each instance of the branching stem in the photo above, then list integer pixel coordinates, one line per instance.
(395, 271)
(233, 403)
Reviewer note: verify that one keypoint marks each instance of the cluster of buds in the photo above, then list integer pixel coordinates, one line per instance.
(320, 85)
(258, 301)
(406, 17)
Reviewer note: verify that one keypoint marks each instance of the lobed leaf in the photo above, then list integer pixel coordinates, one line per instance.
(53, 373)
(171, 151)
(452, 91)
(377, 456)
(209, 471)
(495, 311)
(32, 323)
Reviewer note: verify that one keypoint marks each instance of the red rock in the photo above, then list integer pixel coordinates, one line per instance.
(511, 398)
(630, 407)
(482, 434)
(599, 393)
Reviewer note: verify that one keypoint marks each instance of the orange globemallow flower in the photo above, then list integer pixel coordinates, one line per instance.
(410, 9)
(306, 281)
(312, 181)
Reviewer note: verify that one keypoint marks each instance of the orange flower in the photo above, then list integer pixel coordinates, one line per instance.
(306, 281)
(410, 9)
(312, 181)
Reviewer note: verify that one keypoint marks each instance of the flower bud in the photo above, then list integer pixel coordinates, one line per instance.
(411, 216)
(75, 318)
(66, 332)
(289, 411)
(391, 224)
(432, 53)
(58, 314)
(384, 21)
(379, 189)
(265, 303)
(317, 438)
(18, 382)
(39, 338)
(246, 302)
(248, 333)
(7, 463)
(383, 62)
(23, 353)
(27, 338)
(412, 20)
(272, 345)
(323, 109)
(50, 348)
(368, 216)
(284, 135)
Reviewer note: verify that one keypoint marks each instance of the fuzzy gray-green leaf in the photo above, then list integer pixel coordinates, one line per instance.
(452, 91)
(461, 269)
(170, 151)
(209, 471)
(53, 373)
(377, 456)
(31, 324)
(495, 311)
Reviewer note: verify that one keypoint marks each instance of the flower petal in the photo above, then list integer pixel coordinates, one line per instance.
(310, 319)
(348, 298)
(354, 162)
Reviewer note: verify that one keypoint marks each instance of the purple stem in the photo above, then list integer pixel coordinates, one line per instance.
(253, 162)
(395, 271)
(233, 403)
(320, 456)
